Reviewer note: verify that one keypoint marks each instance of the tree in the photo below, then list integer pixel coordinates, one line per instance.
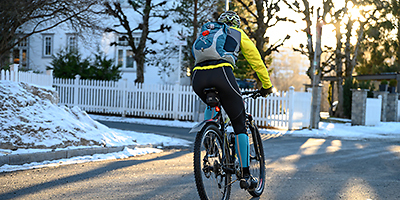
(380, 48)
(192, 14)
(146, 10)
(307, 12)
(20, 19)
(68, 64)
(257, 18)
(395, 8)
(350, 53)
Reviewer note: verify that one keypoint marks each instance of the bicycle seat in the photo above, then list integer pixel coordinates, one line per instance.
(212, 98)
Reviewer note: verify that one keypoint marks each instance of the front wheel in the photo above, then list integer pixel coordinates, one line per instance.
(257, 160)
(212, 181)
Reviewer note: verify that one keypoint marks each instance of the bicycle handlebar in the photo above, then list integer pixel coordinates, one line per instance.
(252, 94)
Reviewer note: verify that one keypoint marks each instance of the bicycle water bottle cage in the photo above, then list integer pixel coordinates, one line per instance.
(212, 98)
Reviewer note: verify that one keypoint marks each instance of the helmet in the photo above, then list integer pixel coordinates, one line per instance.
(230, 18)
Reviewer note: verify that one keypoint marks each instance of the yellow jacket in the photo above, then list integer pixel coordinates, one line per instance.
(250, 52)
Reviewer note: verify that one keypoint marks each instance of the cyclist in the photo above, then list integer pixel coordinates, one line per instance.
(219, 74)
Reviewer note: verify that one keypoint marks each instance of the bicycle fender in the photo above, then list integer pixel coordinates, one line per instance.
(198, 127)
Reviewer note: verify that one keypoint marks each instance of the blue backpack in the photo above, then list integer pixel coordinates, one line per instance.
(210, 43)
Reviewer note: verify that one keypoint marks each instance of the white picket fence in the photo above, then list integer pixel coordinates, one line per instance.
(398, 111)
(14, 75)
(158, 101)
(373, 111)
(288, 110)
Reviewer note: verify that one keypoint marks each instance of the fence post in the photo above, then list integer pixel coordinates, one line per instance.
(14, 72)
(124, 88)
(176, 102)
(384, 95)
(291, 107)
(391, 109)
(76, 89)
(50, 73)
(358, 106)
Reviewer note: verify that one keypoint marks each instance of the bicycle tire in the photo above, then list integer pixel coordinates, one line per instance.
(257, 160)
(211, 181)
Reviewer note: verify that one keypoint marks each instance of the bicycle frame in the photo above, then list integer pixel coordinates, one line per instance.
(222, 123)
(220, 158)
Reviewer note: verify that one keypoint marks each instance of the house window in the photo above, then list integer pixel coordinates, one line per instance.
(125, 55)
(47, 45)
(125, 58)
(72, 42)
(20, 54)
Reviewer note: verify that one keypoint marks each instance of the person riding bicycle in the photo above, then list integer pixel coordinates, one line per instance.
(219, 74)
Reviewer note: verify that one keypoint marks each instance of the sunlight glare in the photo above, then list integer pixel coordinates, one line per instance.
(311, 146)
(355, 12)
(395, 149)
(357, 188)
(336, 145)
(285, 164)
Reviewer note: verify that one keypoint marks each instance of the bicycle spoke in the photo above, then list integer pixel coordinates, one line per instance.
(211, 180)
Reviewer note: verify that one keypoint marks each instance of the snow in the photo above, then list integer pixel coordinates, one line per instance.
(31, 121)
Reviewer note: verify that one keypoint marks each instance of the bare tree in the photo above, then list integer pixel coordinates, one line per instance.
(146, 9)
(308, 11)
(257, 18)
(20, 19)
(350, 52)
(192, 14)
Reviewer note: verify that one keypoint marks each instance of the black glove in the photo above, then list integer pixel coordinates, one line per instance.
(266, 92)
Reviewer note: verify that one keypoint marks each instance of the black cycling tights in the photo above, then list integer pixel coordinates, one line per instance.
(224, 81)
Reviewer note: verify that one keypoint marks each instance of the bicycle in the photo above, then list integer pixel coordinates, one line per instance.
(215, 159)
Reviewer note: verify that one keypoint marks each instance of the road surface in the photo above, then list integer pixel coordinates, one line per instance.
(182, 133)
(297, 168)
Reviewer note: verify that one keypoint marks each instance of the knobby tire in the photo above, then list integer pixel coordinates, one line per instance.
(257, 161)
(206, 155)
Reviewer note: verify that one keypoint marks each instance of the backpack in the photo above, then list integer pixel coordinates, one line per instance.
(209, 45)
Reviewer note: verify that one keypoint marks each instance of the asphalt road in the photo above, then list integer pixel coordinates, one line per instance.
(297, 168)
(182, 133)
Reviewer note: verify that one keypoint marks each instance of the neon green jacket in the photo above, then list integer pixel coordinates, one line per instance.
(250, 52)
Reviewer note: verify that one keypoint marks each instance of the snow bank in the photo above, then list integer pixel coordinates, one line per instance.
(30, 118)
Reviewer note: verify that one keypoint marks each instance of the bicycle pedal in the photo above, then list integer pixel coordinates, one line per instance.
(248, 183)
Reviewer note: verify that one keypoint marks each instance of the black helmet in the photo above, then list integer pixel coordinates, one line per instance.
(230, 18)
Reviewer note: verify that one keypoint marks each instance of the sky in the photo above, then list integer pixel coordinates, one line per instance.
(328, 37)
(30, 119)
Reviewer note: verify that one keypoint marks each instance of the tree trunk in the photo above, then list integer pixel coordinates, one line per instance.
(140, 60)
(310, 47)
(398, 43)
(260, 31)
(195, 30)
(347, 49)
(339, 71)
(316, 100)
(140, 54)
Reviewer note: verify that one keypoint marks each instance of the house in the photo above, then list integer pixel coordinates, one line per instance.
(36, 52)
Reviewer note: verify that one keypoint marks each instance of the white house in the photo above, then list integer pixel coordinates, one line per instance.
(36, 52)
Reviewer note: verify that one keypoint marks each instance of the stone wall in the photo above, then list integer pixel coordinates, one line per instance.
(358, 106)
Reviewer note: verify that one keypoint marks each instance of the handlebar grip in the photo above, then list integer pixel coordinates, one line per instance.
(253, 94)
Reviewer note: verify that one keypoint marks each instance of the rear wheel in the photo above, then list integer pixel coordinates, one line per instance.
(212, 181)
(257, 161)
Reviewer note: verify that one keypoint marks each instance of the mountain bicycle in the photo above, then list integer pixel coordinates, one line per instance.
(215, 159)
